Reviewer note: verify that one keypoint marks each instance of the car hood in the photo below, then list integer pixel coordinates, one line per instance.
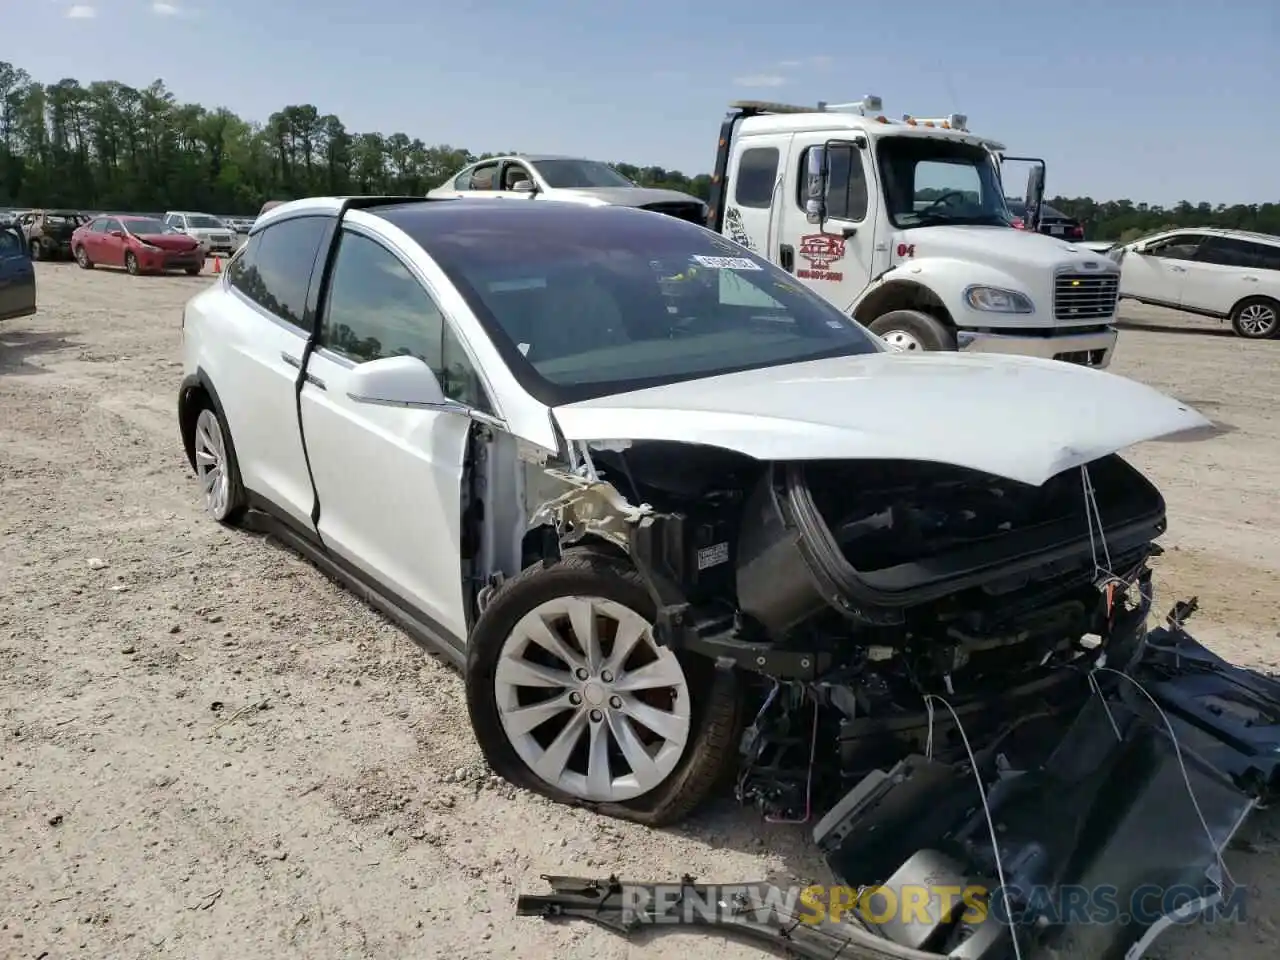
(629, 196)
(169, 241)
(1017, 417)
(1002, 247)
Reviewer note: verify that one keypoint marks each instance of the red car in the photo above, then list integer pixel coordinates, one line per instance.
(139, 244)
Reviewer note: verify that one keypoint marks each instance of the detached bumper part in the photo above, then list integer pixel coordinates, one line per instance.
(1097, 819)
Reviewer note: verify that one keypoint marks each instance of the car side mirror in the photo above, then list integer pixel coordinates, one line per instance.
(397, 382)
(524, 186)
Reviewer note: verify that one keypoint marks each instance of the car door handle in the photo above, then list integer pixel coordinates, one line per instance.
(1177, 269)
(315, 381)
(1250, 279)
(787, 257)
(291, 360)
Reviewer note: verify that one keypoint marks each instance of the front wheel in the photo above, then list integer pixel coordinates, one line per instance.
(194, 270)
(570, 695)
(910, 331)
(1257, 318)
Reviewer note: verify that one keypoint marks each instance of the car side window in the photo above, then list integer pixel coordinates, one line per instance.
(10, 245)
(1183, 246)
(376, 308)
(98, 226)
(757, 171)
(484, 176)
(1267, 255)
(274, 271)
(846, 183)
(112, 225)
(462, 181)
(513, 173)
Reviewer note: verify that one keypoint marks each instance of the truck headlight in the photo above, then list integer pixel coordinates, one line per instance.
(997, 300)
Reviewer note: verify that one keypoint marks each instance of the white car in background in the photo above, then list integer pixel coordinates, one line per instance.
(1228, 274)
(214, 235)
(591, 182)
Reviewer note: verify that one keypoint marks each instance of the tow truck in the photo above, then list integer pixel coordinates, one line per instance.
(903, 225)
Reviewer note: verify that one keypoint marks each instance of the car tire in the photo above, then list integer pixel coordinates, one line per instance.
(82, 258)
(131, 263)
(911, 331)
(214, 454)
(37, 250)
(707, 706)
(195, 270)
(1256, 318)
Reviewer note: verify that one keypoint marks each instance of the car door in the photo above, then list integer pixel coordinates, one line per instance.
(110, 244)
(1157, 271)
(389, 479)
(268, 324)
(1224, 272)
(17, 276)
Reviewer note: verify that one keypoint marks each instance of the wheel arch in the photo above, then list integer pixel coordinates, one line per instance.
(197, 392)
(901, 295)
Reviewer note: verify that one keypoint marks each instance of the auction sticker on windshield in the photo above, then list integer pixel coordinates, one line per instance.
(727, 263)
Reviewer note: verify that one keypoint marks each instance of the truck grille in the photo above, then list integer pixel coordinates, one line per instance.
(1085, 296)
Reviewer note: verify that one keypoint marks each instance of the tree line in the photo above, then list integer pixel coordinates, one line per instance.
(109, 146)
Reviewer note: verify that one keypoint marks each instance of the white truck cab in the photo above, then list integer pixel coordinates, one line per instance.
(903, 225)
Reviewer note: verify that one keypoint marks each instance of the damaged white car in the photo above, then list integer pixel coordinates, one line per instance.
(675, 516)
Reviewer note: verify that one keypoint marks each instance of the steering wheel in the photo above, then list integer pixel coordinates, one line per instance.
(943, 199)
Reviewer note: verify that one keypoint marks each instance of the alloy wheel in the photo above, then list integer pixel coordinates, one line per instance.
(211, 464)
(1258, 319)
(590, 702)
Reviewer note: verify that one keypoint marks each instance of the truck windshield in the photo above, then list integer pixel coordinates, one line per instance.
(930, 181)
(577, 174)
(585, 303)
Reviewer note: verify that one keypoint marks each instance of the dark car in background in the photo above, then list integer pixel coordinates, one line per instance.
(17, 276)
(1053, 221)
(48, 232)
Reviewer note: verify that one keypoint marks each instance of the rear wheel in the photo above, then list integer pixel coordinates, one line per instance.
(910, 331)
(82, 258)
(217, 468)
(1257, 318)
(131, 263)
(570, 695)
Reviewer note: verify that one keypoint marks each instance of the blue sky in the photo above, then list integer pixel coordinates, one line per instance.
(1156, 101)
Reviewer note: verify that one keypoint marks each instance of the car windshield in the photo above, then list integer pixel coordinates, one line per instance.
(146, 226)
(569, 174)
(584, 305)
(202, 222)
(930, 181)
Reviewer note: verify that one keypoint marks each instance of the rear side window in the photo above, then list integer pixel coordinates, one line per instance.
(1233, 252)
(757, 172)
(98, 226)
(274, 270)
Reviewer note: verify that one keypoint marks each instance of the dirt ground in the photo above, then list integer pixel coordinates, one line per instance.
(208, 750)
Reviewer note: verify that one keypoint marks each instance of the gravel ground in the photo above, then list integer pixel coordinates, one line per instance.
(208, 750)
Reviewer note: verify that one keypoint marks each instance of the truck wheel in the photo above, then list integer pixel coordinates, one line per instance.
(911, 330)
(1257, 318)
(571, 697)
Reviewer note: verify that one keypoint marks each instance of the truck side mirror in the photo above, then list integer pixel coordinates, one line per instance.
(815, 207)
(1034, 197)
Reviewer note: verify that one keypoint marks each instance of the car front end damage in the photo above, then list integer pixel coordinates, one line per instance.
(952, 680)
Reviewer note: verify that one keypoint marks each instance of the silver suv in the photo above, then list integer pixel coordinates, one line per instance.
(213, 234)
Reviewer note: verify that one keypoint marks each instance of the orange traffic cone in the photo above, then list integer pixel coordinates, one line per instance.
(217, 263)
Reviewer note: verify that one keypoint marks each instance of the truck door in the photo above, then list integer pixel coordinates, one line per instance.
(839, 259)
(756, 171)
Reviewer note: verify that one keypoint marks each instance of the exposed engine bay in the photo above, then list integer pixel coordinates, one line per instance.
(954, 680)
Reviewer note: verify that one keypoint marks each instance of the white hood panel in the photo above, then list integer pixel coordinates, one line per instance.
(1002, 247)
(1017, 417)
